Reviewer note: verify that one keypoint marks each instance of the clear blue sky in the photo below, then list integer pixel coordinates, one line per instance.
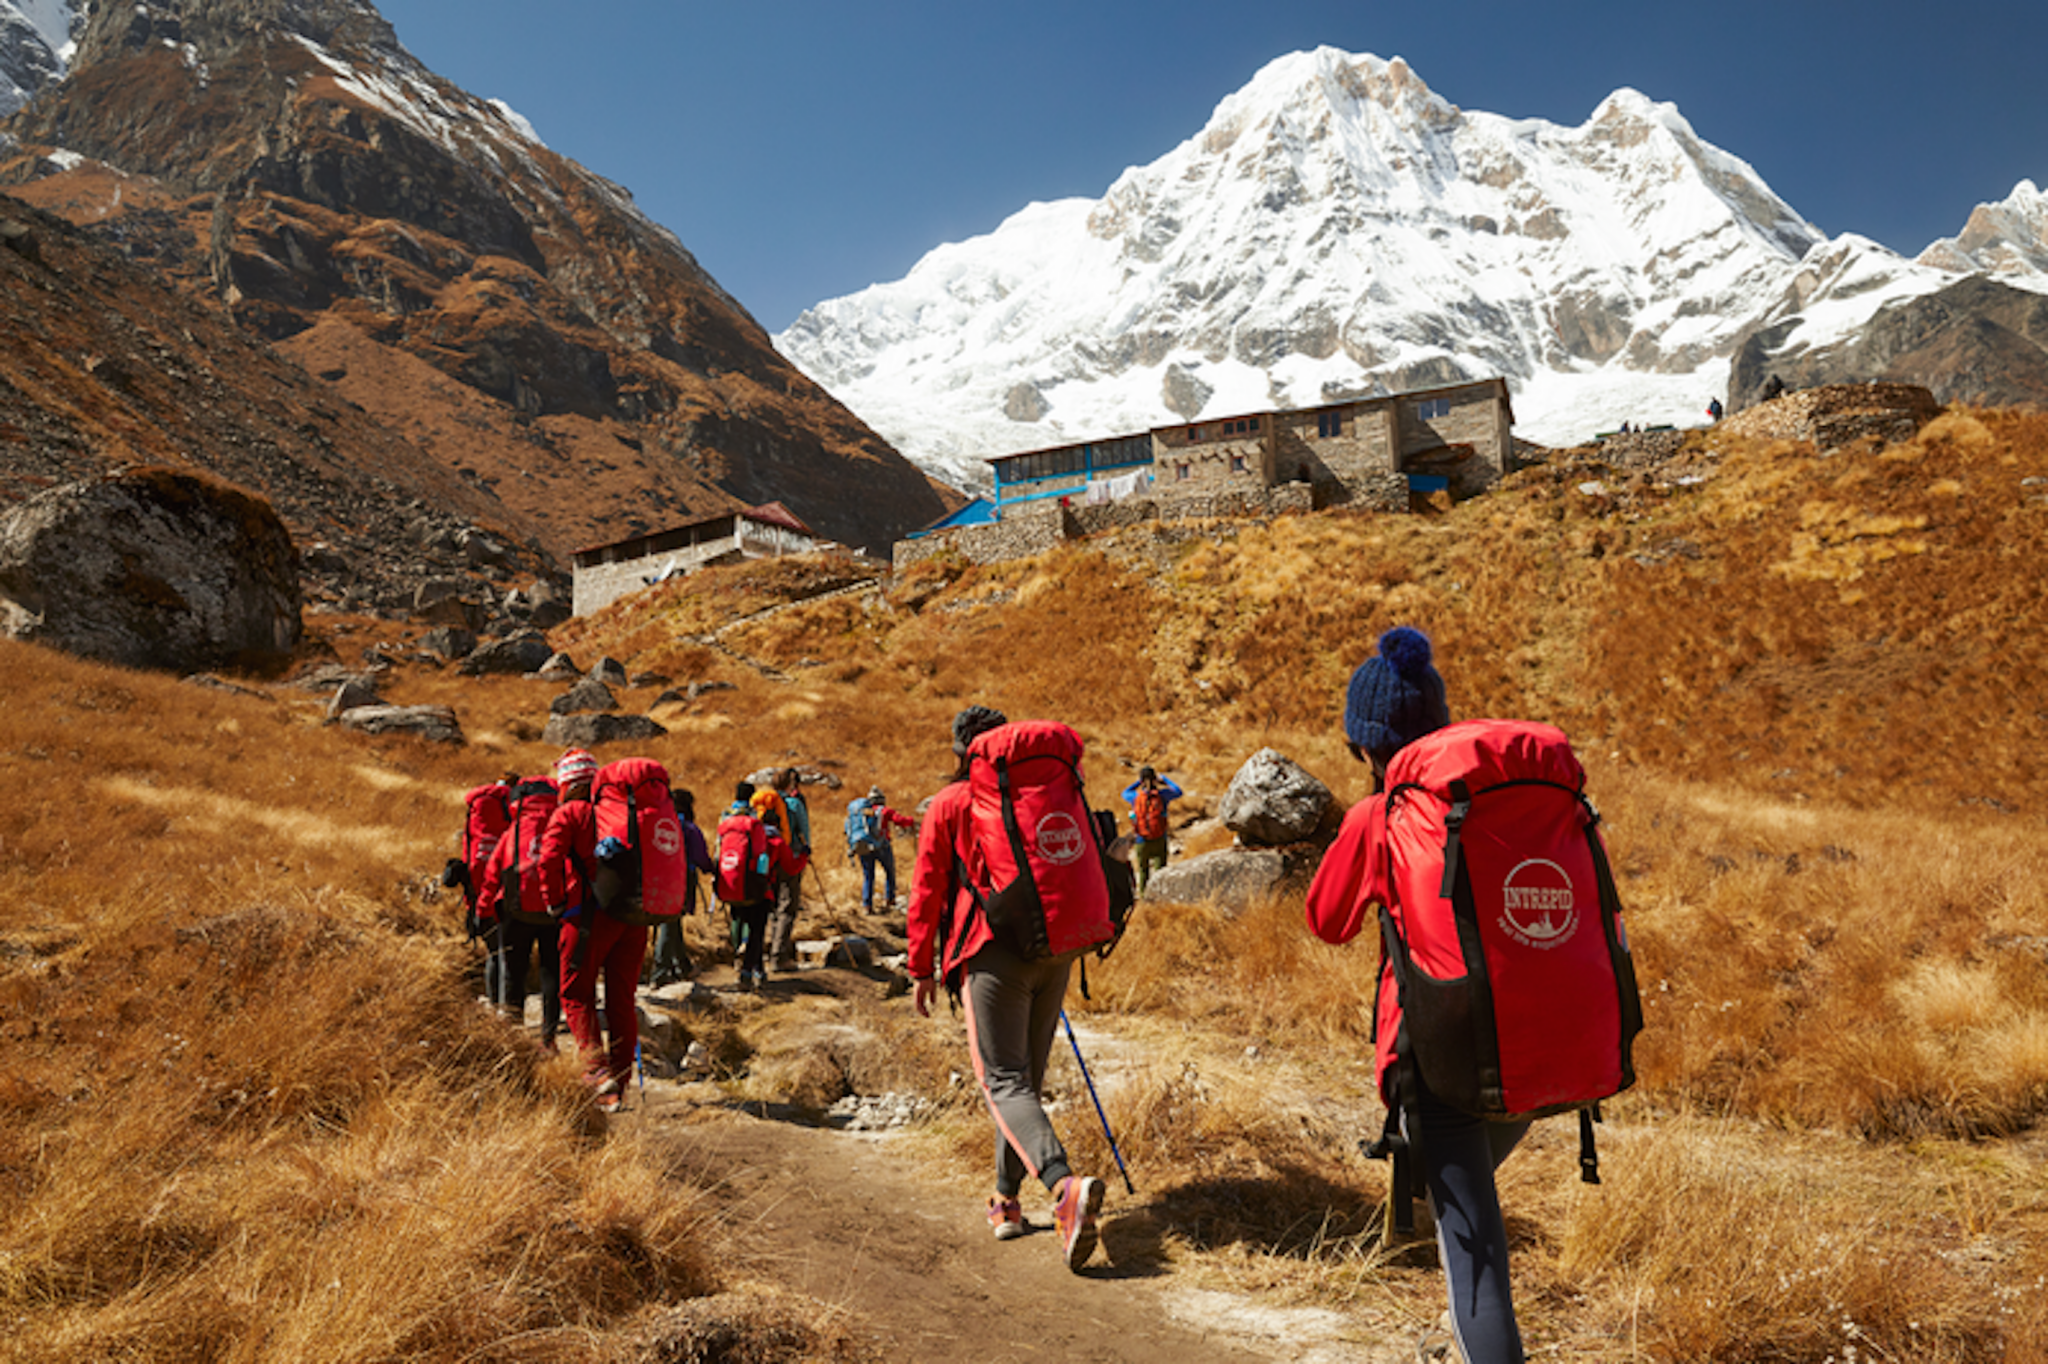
(803, 150)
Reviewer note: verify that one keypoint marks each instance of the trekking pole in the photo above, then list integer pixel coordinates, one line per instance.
(819, 877)
(1089, 1081)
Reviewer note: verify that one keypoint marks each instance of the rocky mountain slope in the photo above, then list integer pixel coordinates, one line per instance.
(1337, 228)
(503, 310)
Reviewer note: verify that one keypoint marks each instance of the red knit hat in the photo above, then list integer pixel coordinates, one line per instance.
(574, 766)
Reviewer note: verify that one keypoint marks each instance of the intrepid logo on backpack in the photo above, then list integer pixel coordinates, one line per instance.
(1060, 838)
(1539, 907)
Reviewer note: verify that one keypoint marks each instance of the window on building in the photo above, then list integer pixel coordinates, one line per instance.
(1237, 464)
(1430, 409)
(1329, 424)
(1180, 472)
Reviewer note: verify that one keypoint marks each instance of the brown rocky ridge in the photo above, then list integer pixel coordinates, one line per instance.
(503, 311)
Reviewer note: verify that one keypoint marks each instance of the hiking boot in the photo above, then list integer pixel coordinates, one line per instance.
(1006, 1217)
(609, 1103)
(1075, 1204)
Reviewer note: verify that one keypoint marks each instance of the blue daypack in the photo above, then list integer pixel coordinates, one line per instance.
(863, 833)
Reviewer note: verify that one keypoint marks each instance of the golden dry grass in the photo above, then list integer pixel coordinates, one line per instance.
(1807, 693)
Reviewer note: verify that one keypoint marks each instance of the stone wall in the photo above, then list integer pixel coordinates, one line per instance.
(1036, 531)
(599, 585)
(1836, 414)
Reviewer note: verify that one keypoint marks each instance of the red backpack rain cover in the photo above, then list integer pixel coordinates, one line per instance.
(1502, 926)
(742, 874)
(489, 814)
(1034, 864)
(515, 865)
(642, 874)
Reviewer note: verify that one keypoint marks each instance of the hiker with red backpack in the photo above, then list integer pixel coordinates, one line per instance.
(1008, 892)
(511, 897)
(670, 961)
(752, 857)
(487, 813)
(1505, 989)
(1149, 796)
(612, 864)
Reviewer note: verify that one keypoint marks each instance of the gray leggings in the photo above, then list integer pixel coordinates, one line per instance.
(1459, 1156)
(1013, 1010)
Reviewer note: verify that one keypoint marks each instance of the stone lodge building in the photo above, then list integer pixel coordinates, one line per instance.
(1376, 452)
(604, 573)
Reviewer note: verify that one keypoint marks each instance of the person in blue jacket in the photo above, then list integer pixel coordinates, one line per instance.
(1148, 798)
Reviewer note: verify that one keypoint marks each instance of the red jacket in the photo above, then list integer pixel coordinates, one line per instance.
(935, 887)
(1343, 901)
(567, 849)
(523, 840)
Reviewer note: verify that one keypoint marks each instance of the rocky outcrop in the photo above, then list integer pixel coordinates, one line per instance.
(1231, 879)
(437, 724)
(1977, 341)
(1834, 415)
(513, 314)
(152, 569)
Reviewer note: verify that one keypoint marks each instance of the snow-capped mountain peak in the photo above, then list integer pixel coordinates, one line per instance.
(2007, 240)
(38, 39)
(1335, 228)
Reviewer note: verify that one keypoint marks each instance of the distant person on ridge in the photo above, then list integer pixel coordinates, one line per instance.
(870, 839)
(1013, 1005)
(1148, 798)
(1713, 409)
(1395, 698)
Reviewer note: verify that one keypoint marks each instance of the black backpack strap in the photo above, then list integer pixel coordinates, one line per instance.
(1454, 823)
(1589, 1156)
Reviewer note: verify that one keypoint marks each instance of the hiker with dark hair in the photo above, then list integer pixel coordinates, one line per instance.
(1395, 698)
(751, 856)
(671, 958)
(594, 945)
(1012, 1004)
(487, 814)
(1149, 796)
(871, 839)
(789, 889)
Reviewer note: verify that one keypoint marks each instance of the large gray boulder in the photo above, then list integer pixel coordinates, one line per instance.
(1273, 801)
(516, 655)
(588, 731)
(428, 722)
(1231, 879)
(154, 568)
(585, 697)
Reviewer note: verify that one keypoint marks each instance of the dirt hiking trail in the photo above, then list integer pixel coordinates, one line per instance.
(895, 1249)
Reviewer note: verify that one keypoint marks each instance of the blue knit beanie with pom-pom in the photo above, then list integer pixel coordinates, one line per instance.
(1395, 697)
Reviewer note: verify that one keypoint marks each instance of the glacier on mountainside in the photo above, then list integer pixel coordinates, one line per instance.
(1338, 229)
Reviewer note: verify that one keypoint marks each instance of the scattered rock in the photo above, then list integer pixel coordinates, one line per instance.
(588, 731)
(875, 1113)
(427, 722)
(214, 683)
(649, 680)
(1273, 801)
(671, 697)
(559, 668)
(439, 601)
(352, 694)
(151, 569)
(586, 696)
(514, 655)
(449, 642)
(698, 689)
(609, 671)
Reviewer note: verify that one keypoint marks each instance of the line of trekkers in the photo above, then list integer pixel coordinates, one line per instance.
(1506, 990)
(566, 872)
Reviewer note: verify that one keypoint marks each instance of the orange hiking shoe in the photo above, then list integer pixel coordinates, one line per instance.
(1075, 1204)
(1005, 1217)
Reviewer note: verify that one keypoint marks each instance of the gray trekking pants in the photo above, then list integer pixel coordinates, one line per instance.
(1013, 1010)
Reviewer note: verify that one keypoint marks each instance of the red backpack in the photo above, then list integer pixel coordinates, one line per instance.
(489, 814)
(1035, 867)
(742, 874)
(1502, 931)
(520, 897)
(642, 875)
